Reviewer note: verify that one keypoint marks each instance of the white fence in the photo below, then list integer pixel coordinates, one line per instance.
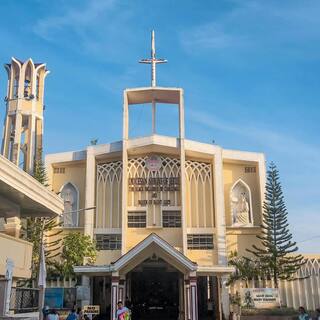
(305, 291)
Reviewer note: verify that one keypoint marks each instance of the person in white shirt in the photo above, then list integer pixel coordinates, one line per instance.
(53, 315)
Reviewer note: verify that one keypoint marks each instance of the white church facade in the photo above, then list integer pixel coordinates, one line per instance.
(165, 213)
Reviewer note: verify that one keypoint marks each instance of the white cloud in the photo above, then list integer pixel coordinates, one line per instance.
(74, 18)
(258, 26)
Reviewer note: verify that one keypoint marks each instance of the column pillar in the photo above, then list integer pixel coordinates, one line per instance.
(122, 289)
(12, 226)
(224, 296)
(114, 295)
(191, 299)
(85, 280)
(90, 188)
(219, 209)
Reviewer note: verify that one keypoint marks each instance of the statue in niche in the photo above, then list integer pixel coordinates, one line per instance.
(240, 206)
(69, 196)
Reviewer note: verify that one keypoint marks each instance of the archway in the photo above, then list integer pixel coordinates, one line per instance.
(154, 290)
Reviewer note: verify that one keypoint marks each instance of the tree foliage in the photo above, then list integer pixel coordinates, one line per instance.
(276, 255)
(77, 250)
(35, 229)
(245, 269)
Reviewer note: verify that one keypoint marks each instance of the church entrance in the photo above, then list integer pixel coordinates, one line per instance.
(154, 290)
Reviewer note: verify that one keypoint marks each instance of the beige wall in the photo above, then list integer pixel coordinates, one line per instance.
(171, 235)
(19, 251)
(240, 239)
(231, 173)
(75, 173)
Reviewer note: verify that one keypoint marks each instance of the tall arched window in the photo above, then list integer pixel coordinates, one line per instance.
(241, 204)
(70, 195)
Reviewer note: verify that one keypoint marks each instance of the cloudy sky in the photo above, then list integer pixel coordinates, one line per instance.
(250, 70)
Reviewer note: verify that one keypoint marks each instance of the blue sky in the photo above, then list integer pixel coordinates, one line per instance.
(250, 70)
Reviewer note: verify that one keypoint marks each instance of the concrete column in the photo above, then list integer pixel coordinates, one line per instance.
(191, 298)
(224, 296)
(12, 226)
(124, 202)
(90, 194)
(122, 290)
(181, 299)
(86, 285)
(114, 295)
(219, 209)
(183, 174)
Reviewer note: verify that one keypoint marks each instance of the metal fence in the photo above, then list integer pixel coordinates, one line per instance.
(24, 300)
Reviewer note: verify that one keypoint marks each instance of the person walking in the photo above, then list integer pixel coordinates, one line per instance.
(303, 314)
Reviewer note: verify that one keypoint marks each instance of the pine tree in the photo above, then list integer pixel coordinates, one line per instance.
(276, 255)
(34, 228)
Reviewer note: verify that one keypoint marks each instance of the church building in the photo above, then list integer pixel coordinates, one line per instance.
(165, 213)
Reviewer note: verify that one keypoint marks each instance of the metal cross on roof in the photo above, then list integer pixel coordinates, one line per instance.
(153, 60)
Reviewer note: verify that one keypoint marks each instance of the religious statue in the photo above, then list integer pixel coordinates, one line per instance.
(69, 202)
(240, 209)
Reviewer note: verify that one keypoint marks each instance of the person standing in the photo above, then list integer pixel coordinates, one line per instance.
(123, 313)
(72, 315)
(79, 313)
(53, 315)
(303, 314)
(317, 317)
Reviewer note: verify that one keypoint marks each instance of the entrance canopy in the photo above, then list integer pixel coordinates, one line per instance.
(151, 246)
(22, 195)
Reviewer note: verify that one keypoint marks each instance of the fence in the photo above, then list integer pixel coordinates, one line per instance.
(305, 291)
(24, 300)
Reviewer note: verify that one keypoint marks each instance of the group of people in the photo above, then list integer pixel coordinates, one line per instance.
(74, 314)
(303, 315)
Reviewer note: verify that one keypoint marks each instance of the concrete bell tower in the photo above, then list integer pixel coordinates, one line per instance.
(23, 124)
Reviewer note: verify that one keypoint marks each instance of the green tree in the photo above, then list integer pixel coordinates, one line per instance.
(276, 255)
(34, 229)
(39, 169)
(77, 250)
(245, 269)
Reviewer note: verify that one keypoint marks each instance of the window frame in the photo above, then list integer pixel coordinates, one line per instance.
(196, 244)
(117, 241)
(137, 224)
(166, 210)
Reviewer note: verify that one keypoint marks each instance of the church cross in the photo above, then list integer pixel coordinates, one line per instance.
(153, 60)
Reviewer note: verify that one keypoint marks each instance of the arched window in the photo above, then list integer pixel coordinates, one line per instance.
(241, 204)
(70, 195)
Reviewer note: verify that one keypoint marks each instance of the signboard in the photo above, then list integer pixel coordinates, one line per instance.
(83, 293)
(153, 163)
(54, 297)
(260, 298)
(91, 310)
(154, 184)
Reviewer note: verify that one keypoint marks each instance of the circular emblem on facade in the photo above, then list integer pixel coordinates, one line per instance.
(153, 163)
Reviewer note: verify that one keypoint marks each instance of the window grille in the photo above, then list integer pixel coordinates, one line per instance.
(59, 170)
(200, 241)
(137, 219)
(108, 241)
(171, 219)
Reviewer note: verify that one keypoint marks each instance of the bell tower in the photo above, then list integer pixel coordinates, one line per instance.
(23, 123)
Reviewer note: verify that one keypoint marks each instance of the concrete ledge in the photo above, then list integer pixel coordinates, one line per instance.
(21, 316)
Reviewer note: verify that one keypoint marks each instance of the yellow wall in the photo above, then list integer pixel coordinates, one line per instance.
(231, 173)
(19, 251)
(240, 239)
(171, 235)
(76, 174)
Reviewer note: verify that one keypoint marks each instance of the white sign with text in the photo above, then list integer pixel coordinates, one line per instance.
(260, 298)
